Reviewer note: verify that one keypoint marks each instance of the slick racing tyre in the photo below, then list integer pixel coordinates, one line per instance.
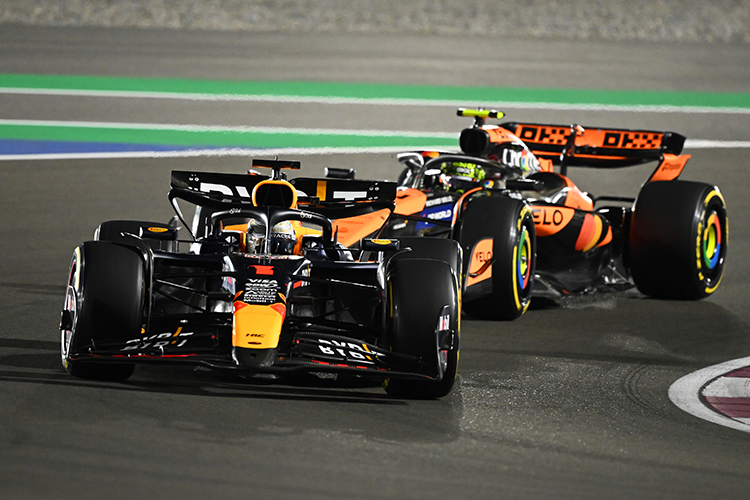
(678, 239)
(423, 321)
(498, 240)
(104, 301)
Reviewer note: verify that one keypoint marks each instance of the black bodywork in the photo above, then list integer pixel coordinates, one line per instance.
(327, 305)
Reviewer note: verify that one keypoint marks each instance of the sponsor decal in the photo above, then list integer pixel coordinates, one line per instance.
(480, 266)
(348, 351)
(549, 220)
(438, 201)
(260, 291)
(599, 138)
(630, 140)
(545, 217)
(441, 212)
(349, 195)
(159, 340)
(444, 322)
(522, 159)
(463, 168)
(545, 135)
(157, 229)
(212, 187)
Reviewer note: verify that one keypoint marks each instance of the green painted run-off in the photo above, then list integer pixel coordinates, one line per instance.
(381, 91)
(307, 139)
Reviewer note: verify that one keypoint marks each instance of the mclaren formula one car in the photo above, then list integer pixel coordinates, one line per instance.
(263, 286)
(527, 230)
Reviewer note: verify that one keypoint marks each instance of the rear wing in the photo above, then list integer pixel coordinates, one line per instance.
(210, 188)
(214, 189)
(337, 190)
(211, 192)
(572, 145)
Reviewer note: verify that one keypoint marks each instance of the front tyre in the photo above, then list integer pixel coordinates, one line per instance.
(678, 239)
(104, 301)
(423, 321)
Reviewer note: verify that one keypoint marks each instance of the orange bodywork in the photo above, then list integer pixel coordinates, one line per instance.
(591, 233)
(546, 165)
(480, 267)
(599, 138)
(576, 198)
(352, 229)
(499, 135)
(549, 220)
(619, 139)
(410, 201)
(670, 168)
(257, 326)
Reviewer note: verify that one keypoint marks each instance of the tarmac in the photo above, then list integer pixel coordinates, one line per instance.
(717, 21)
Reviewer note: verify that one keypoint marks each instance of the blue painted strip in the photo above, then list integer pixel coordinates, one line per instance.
(20, 147)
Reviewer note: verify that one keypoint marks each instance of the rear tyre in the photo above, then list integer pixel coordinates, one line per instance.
(509, 225)
(104, 300)
(423, 321)
(678, 239)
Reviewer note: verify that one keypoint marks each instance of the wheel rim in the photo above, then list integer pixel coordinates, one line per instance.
(70, 308)
(523, 266)
(712, 241)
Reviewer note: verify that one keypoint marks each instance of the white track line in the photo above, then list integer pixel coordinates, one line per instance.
(685, 393)
(215, 152)
(449, 136)
(651, 108)
(222, 128)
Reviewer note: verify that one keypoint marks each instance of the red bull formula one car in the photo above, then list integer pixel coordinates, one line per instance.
(527, 230)
(264, 286)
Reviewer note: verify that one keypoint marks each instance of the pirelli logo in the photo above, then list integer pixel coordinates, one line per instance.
(620, 139)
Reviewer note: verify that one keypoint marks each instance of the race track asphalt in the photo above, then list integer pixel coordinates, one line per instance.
(568, 402)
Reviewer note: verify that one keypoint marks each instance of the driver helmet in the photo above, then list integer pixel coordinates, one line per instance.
(460, 176)
(283, 238)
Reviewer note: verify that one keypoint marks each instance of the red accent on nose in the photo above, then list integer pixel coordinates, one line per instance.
(263, 270)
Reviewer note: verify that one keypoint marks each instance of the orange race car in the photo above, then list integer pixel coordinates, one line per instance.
(527, 230)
